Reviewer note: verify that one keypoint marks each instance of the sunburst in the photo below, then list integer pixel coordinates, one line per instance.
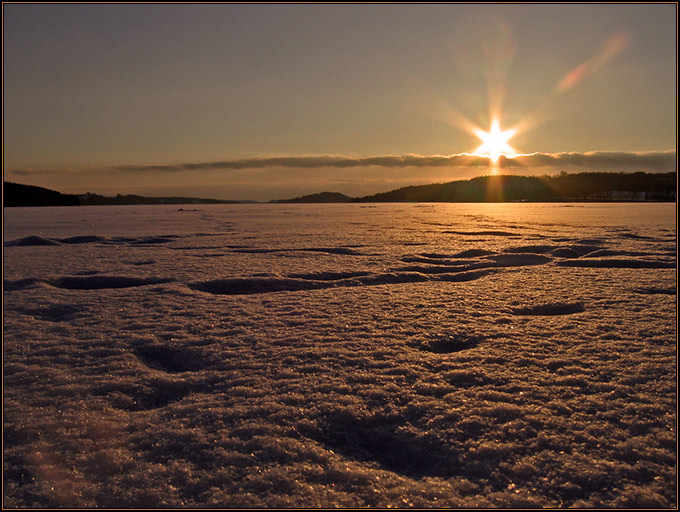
(495, 142)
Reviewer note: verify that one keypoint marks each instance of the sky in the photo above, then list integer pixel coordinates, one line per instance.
(257, 101)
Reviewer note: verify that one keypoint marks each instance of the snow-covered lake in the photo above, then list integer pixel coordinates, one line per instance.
(392, 355)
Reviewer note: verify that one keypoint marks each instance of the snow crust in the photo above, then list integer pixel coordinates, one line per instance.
(393, 355)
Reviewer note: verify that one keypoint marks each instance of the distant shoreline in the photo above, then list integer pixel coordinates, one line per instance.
(588, 187)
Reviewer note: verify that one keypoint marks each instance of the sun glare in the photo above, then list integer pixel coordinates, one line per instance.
(495, 142)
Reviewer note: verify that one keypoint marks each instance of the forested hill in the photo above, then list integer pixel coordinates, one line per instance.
(131, 199)
(14, 194)
(322, 197)
(589, 186)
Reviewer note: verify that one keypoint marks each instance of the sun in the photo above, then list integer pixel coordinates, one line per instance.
(495, 142)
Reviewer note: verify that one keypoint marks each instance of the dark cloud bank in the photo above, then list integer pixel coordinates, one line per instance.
(659, 161)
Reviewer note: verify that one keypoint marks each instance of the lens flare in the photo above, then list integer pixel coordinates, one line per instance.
(495, 141)
(610, 49)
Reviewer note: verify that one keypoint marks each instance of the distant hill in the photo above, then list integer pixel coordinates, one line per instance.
(15, 194)
(586, 186)
(322, 197)
(589, 186)
(28, 195)
(95, 199)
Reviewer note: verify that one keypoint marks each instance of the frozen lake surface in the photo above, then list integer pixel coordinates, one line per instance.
(392, 355)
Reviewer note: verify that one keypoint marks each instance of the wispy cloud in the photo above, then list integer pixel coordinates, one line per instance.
(658, 161)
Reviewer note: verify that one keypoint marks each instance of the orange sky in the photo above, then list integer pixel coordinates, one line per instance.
(167, 99)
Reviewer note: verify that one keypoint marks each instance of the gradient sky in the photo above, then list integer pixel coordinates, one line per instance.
(272, 101)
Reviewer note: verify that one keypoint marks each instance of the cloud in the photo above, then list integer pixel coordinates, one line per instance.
(307, 162)
(659, 161)
(656, 161)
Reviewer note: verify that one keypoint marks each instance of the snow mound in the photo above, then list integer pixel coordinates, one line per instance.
(439, 256)
(440, 269)
(245, 286)
(446, 344)
(556, 308)
(393, 278)
(437, 261)
(472, 253)
(519, 260)
(248, 250)
(328, 276)
(139, 263)
(172, 359)
(144, 395)
(334, 250)
(481, 233)
(389, 442)
(85, 239)
(30, 240)
(603, 253)
(19, 284)
(151, 240)
(464, 276)
(616, 263)
(565, 252)
(104, 281)
(534, 249)
(52, 312)
(330, 250)
(656, 291)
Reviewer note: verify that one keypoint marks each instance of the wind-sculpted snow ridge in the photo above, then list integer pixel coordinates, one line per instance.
(245, 286)
(482, 233)
(328, 276)
(10, 285)
(557, 308)
(337, 356)
(91, 239)
(461, 266)
(330, 250)
(85, 239)
(519, 259)
(52, 312)
(445, 344)
(102, 282)
(652, 291)
(618, 263)
(241, 286)
(29, 241)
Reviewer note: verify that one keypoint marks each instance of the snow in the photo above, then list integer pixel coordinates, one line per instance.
(392, 355)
